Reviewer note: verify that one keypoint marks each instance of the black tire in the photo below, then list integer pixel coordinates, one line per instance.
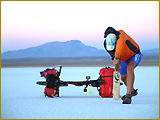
(41, 83)
(85, 90)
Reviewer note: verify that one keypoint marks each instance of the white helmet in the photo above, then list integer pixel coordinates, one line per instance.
(110, 41)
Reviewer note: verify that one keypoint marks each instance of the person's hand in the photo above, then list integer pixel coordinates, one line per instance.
(116, 61)
(119, 67)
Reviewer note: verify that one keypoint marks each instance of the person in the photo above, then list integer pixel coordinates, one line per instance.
(125, 52)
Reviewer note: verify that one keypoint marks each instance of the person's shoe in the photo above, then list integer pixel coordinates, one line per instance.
(134, 92)
(127, 99)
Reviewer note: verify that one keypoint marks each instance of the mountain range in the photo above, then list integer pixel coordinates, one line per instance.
(72, 48)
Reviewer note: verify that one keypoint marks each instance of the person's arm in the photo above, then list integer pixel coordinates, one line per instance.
(119, 48)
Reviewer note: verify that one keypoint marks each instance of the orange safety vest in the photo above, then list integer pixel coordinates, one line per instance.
(126, 47)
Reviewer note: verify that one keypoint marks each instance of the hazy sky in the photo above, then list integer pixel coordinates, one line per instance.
(31, 23)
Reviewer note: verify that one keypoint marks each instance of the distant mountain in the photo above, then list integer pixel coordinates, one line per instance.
(151, 51)
(73, 48)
